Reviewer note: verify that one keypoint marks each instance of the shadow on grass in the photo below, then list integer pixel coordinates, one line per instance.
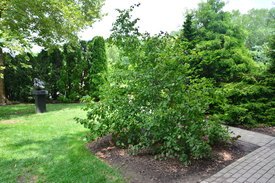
(2, 128)
(20, 110)
(24, 143)
(62, 159)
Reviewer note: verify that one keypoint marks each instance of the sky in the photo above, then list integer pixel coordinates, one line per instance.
(160, 15)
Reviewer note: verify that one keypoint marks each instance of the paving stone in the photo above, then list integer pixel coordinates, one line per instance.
(270, 173)
(230, 180)
(246, 168)
(241, 179)
(272, 180)
(236, 175)
(221, 179)
(251, 179)
(262, 180)
(237, 181)
(257, 176)
(227, 175)
(211, 179)
(262, 172)
(242, 171)
(233, 171)
(246, 176)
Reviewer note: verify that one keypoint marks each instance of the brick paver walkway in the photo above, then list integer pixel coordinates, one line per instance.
(256, 167)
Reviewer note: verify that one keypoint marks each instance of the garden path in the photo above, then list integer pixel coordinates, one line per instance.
(256, 167)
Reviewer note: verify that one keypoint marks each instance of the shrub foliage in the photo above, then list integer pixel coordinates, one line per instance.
(150, 100)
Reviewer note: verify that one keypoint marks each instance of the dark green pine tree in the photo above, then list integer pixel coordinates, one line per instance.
(219, 53)
(188, 31)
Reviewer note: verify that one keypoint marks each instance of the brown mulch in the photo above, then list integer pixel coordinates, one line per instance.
(262, 128)
(145, 168)
(265, 130)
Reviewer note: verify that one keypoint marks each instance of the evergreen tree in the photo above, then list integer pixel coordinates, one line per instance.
(72, 72)
(188, 32)
(98, 66)
(219, 52)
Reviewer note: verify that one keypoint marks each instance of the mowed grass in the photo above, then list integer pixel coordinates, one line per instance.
(48, 147)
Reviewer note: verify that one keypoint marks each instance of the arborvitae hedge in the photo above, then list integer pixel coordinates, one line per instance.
(69, 73)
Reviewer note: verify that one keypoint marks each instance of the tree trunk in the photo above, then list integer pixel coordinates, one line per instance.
(2, 87)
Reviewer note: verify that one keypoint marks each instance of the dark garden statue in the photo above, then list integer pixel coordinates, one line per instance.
(40, 95)
(38, 84)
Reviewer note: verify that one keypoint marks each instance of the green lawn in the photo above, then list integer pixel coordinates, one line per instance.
(47, 147)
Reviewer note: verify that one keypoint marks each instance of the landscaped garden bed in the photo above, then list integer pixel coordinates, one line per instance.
(145, 168)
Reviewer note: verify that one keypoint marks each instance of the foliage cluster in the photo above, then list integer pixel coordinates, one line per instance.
(70, 74)
(151, 101)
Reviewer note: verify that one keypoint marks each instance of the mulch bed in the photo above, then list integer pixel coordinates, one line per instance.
(145, 168)
(265, 130)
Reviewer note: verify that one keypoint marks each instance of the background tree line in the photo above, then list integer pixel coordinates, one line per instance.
(71, 73)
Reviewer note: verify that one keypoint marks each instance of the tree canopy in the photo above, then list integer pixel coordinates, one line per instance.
(45, 21)
(259, 26)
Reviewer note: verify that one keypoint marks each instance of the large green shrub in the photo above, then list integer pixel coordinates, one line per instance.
(150, 101)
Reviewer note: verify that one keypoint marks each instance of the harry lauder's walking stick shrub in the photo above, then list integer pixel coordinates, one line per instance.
(150, 101)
